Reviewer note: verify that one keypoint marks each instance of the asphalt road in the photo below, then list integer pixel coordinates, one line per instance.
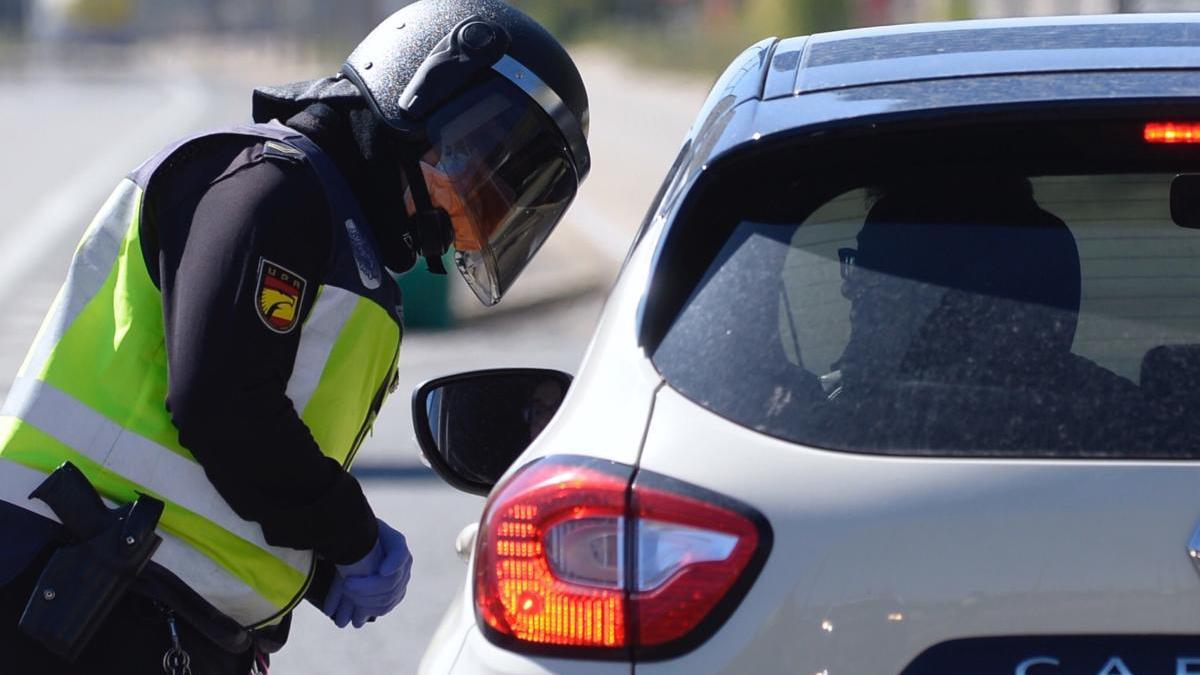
(74, 128)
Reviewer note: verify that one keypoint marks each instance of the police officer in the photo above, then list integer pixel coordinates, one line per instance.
(229, 329)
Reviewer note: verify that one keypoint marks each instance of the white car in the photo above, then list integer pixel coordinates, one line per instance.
(902, 375)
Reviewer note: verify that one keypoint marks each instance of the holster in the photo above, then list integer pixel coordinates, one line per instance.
(105, 550)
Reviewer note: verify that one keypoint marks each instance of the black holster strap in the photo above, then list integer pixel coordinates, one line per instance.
(86, 578)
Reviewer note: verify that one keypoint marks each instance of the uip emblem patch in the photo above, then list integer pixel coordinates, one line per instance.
(280, 292)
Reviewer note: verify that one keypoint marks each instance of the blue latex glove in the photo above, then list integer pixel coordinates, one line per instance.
(373, 586)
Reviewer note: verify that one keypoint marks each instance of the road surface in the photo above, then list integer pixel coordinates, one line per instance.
(75, 126)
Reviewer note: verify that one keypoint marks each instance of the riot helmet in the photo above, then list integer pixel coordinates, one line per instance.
(493, 115)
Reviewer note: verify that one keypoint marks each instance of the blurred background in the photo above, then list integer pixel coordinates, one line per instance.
(90, 88)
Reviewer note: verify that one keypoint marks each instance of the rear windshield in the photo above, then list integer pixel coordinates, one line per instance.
(980, 311)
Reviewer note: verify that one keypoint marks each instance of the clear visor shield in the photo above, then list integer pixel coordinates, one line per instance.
(500, 168)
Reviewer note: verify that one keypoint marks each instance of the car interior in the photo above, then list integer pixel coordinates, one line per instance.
(914, 309)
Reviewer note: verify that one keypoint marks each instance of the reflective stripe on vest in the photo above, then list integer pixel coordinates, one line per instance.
(184, 560)
(92, 391)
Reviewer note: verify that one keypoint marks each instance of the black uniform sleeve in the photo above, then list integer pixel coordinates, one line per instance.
(229, 369)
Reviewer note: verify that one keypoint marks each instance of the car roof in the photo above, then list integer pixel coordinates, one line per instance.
(930, 51)
(930, 69)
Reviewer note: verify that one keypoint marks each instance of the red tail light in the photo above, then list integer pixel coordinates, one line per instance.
(517, 590)
(1172, 132)
(576, 557)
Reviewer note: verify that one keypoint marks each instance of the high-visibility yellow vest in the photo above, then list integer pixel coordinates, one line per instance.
(93, 388)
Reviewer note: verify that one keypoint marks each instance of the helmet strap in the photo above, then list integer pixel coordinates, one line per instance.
(433, 227)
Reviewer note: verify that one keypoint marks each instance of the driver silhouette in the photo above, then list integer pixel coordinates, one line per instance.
(965, 298)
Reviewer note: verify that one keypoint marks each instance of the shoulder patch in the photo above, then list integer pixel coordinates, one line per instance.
(279, 295)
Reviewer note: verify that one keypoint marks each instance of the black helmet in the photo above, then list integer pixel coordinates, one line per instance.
(497, 115)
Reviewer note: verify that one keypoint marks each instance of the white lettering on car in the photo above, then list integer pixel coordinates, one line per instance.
(1115, 666)
(1184, 665)
(1024, 666)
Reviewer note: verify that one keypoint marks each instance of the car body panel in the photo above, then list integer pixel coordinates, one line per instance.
(904, 553)
(780, 79)
(606, 411)
(604, 415)
(452, 630)
(742, 81)
(480, 657)
(996, 94)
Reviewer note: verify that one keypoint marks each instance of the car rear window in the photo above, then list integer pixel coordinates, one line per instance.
(979, 311)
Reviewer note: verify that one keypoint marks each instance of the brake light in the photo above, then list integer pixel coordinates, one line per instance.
(575, 557)
(1172, 132)
(568, 593)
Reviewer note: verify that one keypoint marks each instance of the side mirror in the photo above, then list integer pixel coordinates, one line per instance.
(473, 426)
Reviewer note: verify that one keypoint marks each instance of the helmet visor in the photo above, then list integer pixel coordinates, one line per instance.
(501, 169)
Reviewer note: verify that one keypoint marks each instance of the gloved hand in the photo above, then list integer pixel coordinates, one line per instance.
(373, 586)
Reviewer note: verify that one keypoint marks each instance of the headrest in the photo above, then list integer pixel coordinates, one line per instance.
(982, 234)
(1172, 372)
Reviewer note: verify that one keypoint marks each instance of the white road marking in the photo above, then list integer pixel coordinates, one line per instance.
(67, 208)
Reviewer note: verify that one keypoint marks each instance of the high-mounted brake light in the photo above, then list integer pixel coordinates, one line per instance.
(576, 557)
(1172, 132)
